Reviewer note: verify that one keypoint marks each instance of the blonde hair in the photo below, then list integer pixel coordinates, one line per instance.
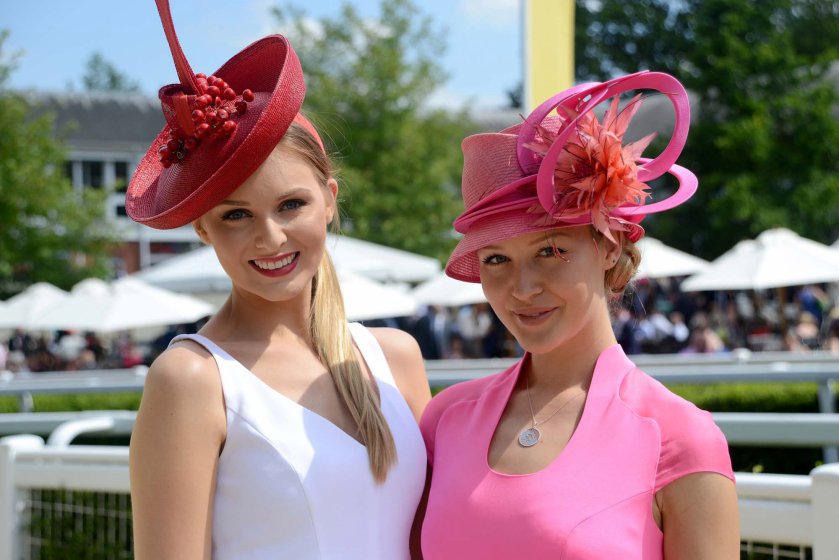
(331, 336)
(618, 277)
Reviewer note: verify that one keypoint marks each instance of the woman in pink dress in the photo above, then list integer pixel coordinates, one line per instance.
(573, 452)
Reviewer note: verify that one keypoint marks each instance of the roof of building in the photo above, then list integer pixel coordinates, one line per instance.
(106, 121)
(128, 122)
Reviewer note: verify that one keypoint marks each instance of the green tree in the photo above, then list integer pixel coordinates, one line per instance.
(765, 141)
(367, 83)
(101, 75)
(48, 231)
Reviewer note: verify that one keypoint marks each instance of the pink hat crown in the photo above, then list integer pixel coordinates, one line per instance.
(568, 169)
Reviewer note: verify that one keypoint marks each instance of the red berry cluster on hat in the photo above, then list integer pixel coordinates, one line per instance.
(211, 118)
(215, 136)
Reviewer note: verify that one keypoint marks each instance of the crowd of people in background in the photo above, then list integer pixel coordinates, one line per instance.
(654, 318)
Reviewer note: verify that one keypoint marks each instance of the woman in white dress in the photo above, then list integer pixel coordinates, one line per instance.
(277, 431)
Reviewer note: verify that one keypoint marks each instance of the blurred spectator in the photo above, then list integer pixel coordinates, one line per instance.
(70, 346)
(129, 354)
(21, 342)
(456, 350)
(432, 330)
(16, 362)
(87, 360)
(681, 332)
(804, 335)
(93, 344)
(832, 343)
(655, 330)
(473, 324)
(624, 327)
(814, 301)
(703, 339)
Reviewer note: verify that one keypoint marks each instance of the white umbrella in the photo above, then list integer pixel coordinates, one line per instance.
(19, 310)
(199, 271)
(379, 262)
(443, 290)
(661, 261)
(95, 305)
(776, 259)
(366, 299)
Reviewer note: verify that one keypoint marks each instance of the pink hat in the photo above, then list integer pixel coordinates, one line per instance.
(567, 169)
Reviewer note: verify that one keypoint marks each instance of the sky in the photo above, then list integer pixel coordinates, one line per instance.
(57, 37)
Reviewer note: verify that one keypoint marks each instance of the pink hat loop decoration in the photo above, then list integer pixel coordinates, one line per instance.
(569, 169)
(574, 107)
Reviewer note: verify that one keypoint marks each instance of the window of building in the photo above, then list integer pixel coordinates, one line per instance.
(121, 175)
(93, 174)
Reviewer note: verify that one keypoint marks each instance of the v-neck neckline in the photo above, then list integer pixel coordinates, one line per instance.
(279, 395)
(592, 400)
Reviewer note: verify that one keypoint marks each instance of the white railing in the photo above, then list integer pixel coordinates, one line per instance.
(739, 366)
(26, 465)
(798, 510)
(792, 509)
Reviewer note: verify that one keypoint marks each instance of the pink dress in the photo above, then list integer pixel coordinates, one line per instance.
(594, 501)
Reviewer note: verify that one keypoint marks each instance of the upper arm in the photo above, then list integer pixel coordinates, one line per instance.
(405, 360)
(174, 450)
(699, 518)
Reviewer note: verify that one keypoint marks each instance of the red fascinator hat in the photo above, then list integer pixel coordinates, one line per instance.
(568, 169)
(219, 129)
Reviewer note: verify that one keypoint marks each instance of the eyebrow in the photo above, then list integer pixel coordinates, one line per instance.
(549, 237)
(292, 192)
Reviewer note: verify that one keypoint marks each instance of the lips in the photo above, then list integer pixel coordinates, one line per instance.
(276, 266)
(532, 316)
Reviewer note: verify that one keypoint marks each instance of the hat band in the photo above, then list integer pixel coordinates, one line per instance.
(304, 122)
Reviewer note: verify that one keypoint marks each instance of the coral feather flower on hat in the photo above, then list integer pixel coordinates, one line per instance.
(595, 172)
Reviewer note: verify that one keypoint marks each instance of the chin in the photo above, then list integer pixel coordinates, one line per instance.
(287, 289)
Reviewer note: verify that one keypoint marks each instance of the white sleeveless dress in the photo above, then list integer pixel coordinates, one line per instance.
(292, 485)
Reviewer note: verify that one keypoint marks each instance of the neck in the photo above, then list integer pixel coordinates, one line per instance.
(245, 316)
(571, 364)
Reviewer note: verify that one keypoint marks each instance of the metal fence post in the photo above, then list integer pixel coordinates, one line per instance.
(827, 405)
(25, 402)
(825, 500)
(11, 502)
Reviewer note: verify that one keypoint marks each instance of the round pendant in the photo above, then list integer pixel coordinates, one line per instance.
(529, 437)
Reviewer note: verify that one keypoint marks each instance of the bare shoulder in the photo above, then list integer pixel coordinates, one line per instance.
(183, 384)
(405, 360)
(184, 368)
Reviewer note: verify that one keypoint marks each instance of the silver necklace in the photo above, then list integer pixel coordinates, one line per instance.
(529, 437)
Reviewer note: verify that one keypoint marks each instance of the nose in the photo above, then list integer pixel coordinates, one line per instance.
(270, 235)
(525, 282)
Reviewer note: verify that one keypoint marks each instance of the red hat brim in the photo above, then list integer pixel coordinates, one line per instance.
(166, 198)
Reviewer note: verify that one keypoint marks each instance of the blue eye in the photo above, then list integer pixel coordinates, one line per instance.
(234, 215)
(554, 252)
(293, 204)
(494, 259)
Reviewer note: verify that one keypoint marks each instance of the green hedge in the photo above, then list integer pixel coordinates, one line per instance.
(761, 397)
(63, 403)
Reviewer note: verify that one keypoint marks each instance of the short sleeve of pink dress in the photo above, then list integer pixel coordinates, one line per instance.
(594, 501)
